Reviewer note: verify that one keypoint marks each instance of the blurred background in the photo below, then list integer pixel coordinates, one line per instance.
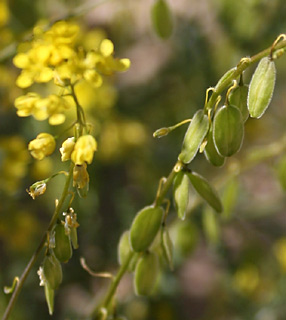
(229, 267)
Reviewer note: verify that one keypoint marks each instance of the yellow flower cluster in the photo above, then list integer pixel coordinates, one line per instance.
(53, 55)
(40, 108)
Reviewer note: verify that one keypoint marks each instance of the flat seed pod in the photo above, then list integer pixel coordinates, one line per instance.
(226, 79)
(181, 194)
(229, 198)
(50, 296)
(124, 250)
(205, 190)
(146, 274)
(194, 136)
(228, 130)
(167, 247)
(211, 153)
(261, 87)
(186, 238)
(162, 20)
(52, 270)
(238, 98)
(63, 249)
(145, 227)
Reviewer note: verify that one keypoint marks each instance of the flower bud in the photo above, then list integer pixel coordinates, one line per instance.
(67, 148)
(37, 189)
(84, 149)
(42, 146)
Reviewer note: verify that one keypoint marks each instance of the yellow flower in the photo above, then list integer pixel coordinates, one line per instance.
(42, 146)
(26, 104)
(84, 149)
(42, 108)
(67, 148)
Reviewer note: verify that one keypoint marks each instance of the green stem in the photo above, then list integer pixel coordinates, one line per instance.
(36, 254)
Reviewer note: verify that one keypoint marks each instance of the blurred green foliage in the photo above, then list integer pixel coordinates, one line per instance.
(236, 271)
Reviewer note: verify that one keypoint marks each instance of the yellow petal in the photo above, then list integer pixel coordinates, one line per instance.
(106, 47)
(25, 79)
(21, 60)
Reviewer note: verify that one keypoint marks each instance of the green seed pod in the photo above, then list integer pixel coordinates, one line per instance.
(162, 19)
(167, 247)
(52, 270)
(225, 80)
(261, 87)
(238, 98)
(211, 153)
(124, 250)
(145, 227)
(186, 238)
(181, 194)
(229, 198)
(146, 274)
(50, 297)
(63, 249)
(205, 190)
(228, 130)
(194, 136)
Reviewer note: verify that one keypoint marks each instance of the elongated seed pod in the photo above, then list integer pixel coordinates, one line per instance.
(145, 227)
(181, 194)
(52, 270)
(211, 152)
(194, 136)
(238, 98)
(162, 19)
(261, 87)
(146, 274)
(63, 249)
(228, 130)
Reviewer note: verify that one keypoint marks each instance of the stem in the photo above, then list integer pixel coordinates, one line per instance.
(36, 254)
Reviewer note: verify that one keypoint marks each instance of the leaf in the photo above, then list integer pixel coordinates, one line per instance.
(228, 130)
(145, 227)
(261, 87)
(146, 274)
(205, 190)
(181, 194)
(194, 136)
(162, 20)
(211, 226)
(238, 98)
(229, 197)
(211, 153)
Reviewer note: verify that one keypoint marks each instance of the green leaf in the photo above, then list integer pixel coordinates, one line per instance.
(228, 130)
(146, 274)
(162, 20)
(194, 136)
(229, 197)
(52, 270)
(63, 249)
(261, 87)
(211, 153)
(145, 227)
(181, 194)
(205, 190)
(238, 98)
(211, 226)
